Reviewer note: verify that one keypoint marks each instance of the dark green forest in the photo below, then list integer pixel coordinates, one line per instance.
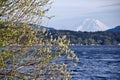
(89, 38)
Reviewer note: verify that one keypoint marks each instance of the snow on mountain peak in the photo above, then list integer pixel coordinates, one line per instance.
(92, 25)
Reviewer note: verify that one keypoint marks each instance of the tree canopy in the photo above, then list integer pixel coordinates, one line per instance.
(25, 53)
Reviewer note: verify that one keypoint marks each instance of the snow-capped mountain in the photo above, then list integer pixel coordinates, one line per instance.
(92, 25)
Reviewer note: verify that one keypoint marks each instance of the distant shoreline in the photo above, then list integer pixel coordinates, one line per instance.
(92, 45)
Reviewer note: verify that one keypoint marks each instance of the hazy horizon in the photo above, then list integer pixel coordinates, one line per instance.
(71, 14)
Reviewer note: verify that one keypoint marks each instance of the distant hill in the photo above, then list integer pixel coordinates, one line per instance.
(116, 29)
(89, 38)
(109, 37)
(47, 28)
(42, 27)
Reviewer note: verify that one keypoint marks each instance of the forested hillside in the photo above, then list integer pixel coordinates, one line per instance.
(102, 38)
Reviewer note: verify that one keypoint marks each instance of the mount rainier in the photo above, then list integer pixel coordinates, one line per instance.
(92, 25)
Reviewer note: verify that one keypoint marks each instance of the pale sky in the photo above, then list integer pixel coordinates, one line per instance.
(69, 14)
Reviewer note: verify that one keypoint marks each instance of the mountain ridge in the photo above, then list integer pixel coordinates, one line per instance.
(88, 38)
(85, 38)
(116, 29)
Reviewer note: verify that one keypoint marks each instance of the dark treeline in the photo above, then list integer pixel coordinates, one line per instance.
(102, 38)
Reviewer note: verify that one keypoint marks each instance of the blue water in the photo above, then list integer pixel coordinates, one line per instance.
(96, 63)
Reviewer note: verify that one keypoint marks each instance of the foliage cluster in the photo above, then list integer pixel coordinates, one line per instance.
(25, 54)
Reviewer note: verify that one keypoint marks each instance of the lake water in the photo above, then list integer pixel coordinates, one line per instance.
(96, 63)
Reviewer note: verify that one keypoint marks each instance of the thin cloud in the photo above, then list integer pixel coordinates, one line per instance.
(111, 5)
